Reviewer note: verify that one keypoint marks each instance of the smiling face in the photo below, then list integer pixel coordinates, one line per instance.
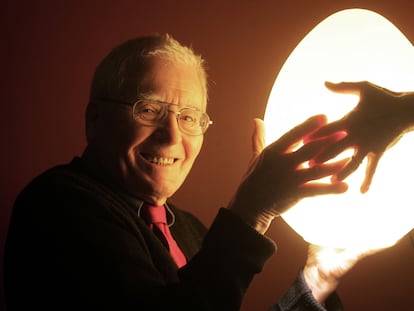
(150, 162)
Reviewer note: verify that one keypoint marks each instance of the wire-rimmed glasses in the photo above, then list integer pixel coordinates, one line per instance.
(152, 112)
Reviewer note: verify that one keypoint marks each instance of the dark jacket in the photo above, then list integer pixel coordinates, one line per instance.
(78, 243)
(75, 243)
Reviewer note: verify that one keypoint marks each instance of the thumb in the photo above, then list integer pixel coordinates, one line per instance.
(345, 87)
(258, 137)
(372, 164)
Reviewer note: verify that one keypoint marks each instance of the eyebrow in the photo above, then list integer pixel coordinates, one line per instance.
(168, 103)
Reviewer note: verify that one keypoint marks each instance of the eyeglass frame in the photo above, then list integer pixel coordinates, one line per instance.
(177, 113)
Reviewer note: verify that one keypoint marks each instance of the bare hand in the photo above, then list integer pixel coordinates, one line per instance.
(278, 179)
(373, 126)
(326, 266)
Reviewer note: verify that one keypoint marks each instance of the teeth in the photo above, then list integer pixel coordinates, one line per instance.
(160, 160)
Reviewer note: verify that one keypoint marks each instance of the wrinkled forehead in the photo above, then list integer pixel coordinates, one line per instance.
(174, 82)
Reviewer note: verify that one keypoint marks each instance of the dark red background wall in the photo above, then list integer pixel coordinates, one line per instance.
(51, 47)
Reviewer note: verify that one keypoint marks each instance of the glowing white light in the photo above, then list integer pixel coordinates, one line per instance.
(351, 45)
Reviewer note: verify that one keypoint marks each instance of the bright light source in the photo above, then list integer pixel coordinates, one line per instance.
(351, 45)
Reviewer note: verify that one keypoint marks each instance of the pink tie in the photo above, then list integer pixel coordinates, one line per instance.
(158, 219)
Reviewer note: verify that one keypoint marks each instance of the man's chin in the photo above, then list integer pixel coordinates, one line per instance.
(154, 189)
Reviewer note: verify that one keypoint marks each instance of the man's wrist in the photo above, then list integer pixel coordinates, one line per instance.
(320, 285)
(258, 221)
(407, 102)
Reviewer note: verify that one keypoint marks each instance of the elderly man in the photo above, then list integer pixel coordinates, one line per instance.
(99, 232)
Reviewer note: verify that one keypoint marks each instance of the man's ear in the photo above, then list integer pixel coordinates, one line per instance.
(92, 116)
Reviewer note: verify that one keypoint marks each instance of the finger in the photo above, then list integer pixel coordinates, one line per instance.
(330, 133)
(351, 167)
(312, 149)
(296, 134)
(321, 171)
(328, 129)
(335, 148)
(372, 164)
(314, 189)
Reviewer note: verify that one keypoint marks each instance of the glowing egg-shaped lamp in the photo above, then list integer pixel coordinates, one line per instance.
(350, 45)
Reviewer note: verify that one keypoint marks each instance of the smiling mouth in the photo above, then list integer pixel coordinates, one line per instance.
(158, 160)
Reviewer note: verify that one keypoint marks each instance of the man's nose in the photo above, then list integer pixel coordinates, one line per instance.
(170, 128)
